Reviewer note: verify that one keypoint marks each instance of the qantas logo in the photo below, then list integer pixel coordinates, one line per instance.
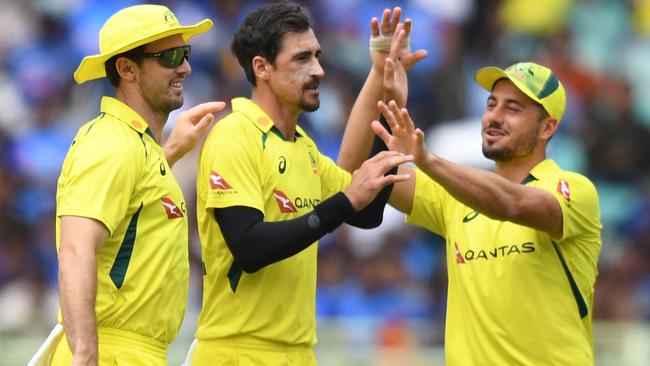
(217, 181)
(494, 253)
(284, 202)
(563, 189)
(459, 257)
(173, 212)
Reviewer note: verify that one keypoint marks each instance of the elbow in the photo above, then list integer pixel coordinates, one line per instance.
(506, 212)
(69, 255)
(246, 263)
(250, 268)
(369, 224)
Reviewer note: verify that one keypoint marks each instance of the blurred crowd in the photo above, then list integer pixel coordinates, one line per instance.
(598, 48)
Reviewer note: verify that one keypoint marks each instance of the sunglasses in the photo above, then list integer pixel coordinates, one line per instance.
(170, 58)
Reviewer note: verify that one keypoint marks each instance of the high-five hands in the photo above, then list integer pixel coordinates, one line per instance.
(394, 58)
(369, 179)
(405, 138)
(389, 29)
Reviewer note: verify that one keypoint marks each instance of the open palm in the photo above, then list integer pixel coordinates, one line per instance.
(404, 137)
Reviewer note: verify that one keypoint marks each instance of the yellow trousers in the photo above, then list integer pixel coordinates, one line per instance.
(118, 348)
(247, 351)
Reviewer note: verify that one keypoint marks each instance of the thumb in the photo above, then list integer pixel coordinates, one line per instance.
(380, 131)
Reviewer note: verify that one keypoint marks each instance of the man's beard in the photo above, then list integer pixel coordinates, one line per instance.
(521, 147)
(309, 106)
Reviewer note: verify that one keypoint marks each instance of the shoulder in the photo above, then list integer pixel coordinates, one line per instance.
(233, 134)
(107, 130)
(568, 182)
(233, 124)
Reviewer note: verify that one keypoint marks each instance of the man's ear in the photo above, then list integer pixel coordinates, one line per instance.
(261, 68)
(549, 127)
(126, 68)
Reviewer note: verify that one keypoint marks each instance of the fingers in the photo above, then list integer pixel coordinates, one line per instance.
(387, 160)
(397, 14)
(389, 25)
(403, 119)
(388, 114)
(385, 22)
(395, 178)
(389, 73)
(197, 112)
(374, 27)
(419, 136)
(205, 122)
(380, 131)
(408, 23)
(398, 37)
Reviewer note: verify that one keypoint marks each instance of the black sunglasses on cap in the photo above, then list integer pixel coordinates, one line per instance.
(170, 58)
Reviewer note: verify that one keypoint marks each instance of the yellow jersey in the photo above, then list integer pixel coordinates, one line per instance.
(516, 296)
(245, 161)
(115, 172)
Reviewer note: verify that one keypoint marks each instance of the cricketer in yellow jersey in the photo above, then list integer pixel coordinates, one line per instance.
(266, 195)
(121, 218)
(522, 242)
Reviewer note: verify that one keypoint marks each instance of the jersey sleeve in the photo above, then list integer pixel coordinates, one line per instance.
(578, 200)
(334, 179)
(231, 162)
(428, 204)
(99, 177)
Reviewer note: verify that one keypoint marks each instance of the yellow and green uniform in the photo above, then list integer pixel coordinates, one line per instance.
(245, 161)
(516, 295)
(116, 173)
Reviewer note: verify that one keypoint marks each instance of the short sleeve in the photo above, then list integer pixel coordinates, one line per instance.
(333, 178)
(231, 163)
(99, 177)
(578, 200)
(428, 204)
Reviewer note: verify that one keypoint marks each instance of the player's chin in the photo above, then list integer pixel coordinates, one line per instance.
(310, 105)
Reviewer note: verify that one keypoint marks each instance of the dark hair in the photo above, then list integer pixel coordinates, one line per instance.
(111, 71)
(262, 31)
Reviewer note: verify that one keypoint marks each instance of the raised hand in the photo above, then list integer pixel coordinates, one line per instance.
(369, 179)
(382, 36)
(190, 127)
(405, 138)
(391, 53)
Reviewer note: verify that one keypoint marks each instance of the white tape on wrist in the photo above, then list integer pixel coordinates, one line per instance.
(381, 43)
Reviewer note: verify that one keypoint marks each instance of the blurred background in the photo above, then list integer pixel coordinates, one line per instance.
(381, 293)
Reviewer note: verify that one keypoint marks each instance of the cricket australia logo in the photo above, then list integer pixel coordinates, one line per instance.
(217, 181)
(284, 202)
(172, 210)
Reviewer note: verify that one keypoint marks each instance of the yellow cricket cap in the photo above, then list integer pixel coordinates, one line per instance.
(536, 81)
(130, 28)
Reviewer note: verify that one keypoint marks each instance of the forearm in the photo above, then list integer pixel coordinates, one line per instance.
(256, 244)
(358, 136)
(372, 215)
(486, 192)
(78, 289)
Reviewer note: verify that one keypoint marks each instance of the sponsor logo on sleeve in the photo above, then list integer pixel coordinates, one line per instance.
(563, 189)
(217, 181)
